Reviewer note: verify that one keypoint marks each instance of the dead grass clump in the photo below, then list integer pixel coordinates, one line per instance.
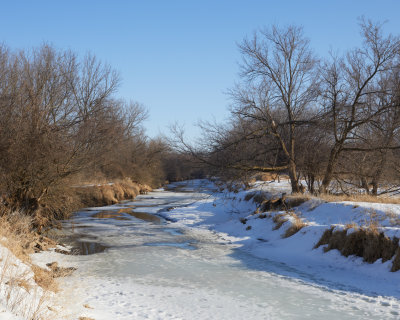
(351, 225)
(354, 244)
(396, 261)
(119, 193)
(23, 283)
(89, 196)
(144, 188)
(359, 198)
(296, 226)
(366, 242)
(279, 220)
(337, 240)
(93, 196)
(44, 278)
(266, 176)
(131, 189)
(108, 195)
(296, 199)
(325, 238)
(389, 247)
(16, 234)
(274, 204)
(58, 272)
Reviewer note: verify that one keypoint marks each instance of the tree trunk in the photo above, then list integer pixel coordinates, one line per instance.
(378, 173)
(333, 157)
(364, 184)
(293, 177)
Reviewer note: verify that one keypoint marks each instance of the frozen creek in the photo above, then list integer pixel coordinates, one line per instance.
(153, 268)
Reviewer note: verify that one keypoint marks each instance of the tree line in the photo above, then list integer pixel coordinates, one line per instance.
(332, 122)
(62, 123)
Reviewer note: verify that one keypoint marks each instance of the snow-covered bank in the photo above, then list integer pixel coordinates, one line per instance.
(204, 263)
(225, 213)
(20, 296)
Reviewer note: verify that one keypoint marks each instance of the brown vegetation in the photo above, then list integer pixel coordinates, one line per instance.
(366, 242)
(279, 220)
(99, 195)
(17, 235)
(61, 124)
(283, 203)
(359, 198)
(296, 225)
(396, 261)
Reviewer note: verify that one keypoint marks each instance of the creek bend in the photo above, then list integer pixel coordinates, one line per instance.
(135, 264)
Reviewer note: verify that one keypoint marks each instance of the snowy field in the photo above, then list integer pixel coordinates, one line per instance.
(201, 262)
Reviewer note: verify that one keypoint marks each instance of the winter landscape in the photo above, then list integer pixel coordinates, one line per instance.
(200, 160)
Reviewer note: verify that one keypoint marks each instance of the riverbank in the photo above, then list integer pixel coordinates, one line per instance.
(218, 256)
(205, 262)
(29, 287)
(104, 194)
(27, 291)
(293, 235)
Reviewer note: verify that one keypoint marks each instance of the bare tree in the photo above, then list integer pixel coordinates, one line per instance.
(280, 84)
(352, 89)
(58, 118)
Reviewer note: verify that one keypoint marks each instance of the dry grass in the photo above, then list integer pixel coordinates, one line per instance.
(366, 242)
(58, 272)
(279, 220)
(296, 199)
(296, 226)
(396, 261)
(282, 203)
(273, 205)
(16, 234)
(268, 176)
(394, 219)
(360, 198)
(45, 278)
(32, 302)
(325, 238)
(92, 196)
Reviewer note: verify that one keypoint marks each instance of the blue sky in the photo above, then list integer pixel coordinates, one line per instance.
(179, 57)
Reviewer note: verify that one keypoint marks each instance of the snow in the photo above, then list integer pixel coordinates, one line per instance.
(223, 211)
(20, 296)
(204, 263)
